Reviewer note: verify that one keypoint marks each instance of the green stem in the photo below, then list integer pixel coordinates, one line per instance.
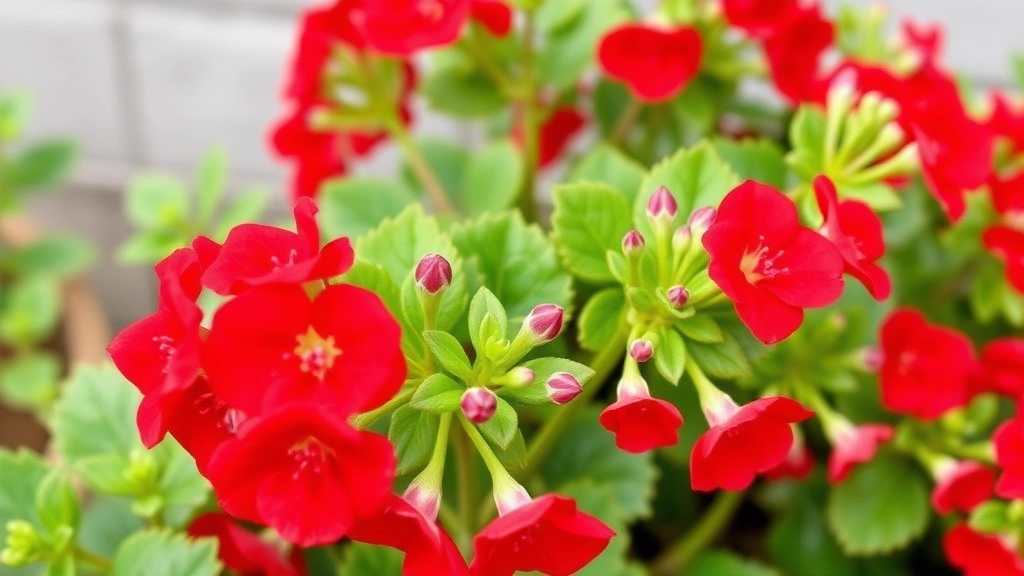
(530, 125)
(478, 50)
(677, 556)
(431, 183)
(467, 492)
(95, 560)
(366, 419)
(626, 121)
(603, 364)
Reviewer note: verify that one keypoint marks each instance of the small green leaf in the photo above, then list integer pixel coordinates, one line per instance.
(670, 354)
(492, 179)
(991, 517)
(543, 368)
(513, 456)
(163, 553)
(759, 159)
(449, 353)
(30, 380)
(43, 165)
(589, 220)
(554, 16)
(210, 181)
(353, 206)
(413, 433)
(606, 164)
(438, 394)
(702, 328)
(106, 522)
(807, 136)
(365, 559)
(30, 311)
(22, 474)
(454, 84)
(484, 305)
(502, 427)
(157, 202)
(602, 318)
(56, 256)
(882, 506)
(246, 207)
(447, 161)
(56, 502)
(568, 49)
(725, 359)
(720, 563)
(150, 247)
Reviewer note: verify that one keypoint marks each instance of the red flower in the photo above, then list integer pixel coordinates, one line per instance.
(924, 40)
(926, 369)
(320, 31)
(271, 344)
(768, 264)
(980, 554)
(429, 551)
(556, 132)
(655, 63)
(798, 464)
(1009, 441)
(255, 254)
(794, 53)
(639, 422)
(855, 445)
(404, 27)
(240, 550)
(304, 472)
(759, 18)
(199, 420)
(1007, 120)
(494, 15)
(856, 231)
(159, 354)
(1002, 365)
(744, 442)
(549, 535)
(1006, 239)
(962, 486)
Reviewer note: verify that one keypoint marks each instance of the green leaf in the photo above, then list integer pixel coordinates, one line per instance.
(543, 368)
(516, 261)
(438, 394)
(30, 380)
(569, 48)
(879, 196)
(247, 207)
(56, 502)
(449, 353)
(210, 182)
(670, 354)
(413, 433)
(448, 162)
(589, 220)
(702, 328)
(163, 553)
(397, 246)
(720, 563)
(807, 136)
(150, 247)
(455, 85)
(513, 456)
(801, 526)
(882, 506)
(15, 109)
(157, 202)
(554, 16)
(56, 256)
(365, 560)
(502, 427)
(483, 306)
(586, 451)
(180, 488)
(492, 179)
(353, 206)
(759, 159)
(725, 359)
(991, 517)
(106, 522)
(43, 165)
(606, 164)
(22, 474)
(29, 311)
(602, 318)
(697, 178)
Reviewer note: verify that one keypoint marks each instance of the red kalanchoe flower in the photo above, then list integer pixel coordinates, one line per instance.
(321, 30)
(494, 15)
(256, 254)
(769, 265)
(961, 486)
(923, 40)
(241, 551)
(1007, 120)
(743, 442)
(433, 273)
(855, 445)
(404, 27)
(798, 465)
(639, 422)
(478, 404)
(1002, 367)
(758, 18)
(159, 354)
(1006, 239)
(342, 348)
(429, 551)
(1009, 441)
(200, 421)
(654, 62)
(561, 538)
(285, 469)
(926, 369)
(556, 132)
(856, 231)
(795, 49)
(981, 554)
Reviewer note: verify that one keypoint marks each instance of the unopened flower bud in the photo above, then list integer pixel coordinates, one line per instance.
(23, 545)
(678, 296)
(562, 388)
(701, 219)
(545, 322)
(662, 205)
(641, 350)
(681, 239)
(478, 404)
(633, 243)
(433, 273)
(518, 377)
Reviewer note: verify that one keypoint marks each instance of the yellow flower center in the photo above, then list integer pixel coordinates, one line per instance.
(316, 354)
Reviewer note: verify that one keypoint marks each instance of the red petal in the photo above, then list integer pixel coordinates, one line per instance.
(656, 64)
(814, 276)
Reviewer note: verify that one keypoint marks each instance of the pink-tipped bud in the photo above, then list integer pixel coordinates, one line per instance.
(633, 243)
(519, 377)
(678, 296)
(641, 350)
(872, 359)
(478, 404)
(701, 219)
(562, 388)
(681, 238)
(662, 205)
(433, 273)
(545, 322)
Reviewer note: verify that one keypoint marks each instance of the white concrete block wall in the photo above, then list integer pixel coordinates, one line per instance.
(154, 83)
